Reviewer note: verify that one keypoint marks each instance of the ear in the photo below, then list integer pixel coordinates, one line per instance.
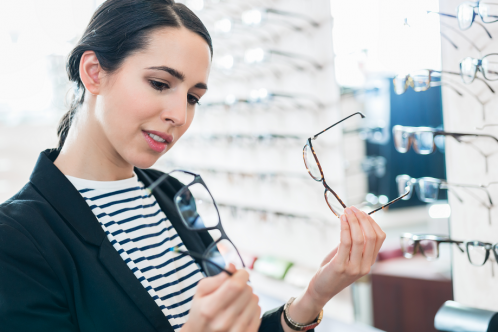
(90, 70)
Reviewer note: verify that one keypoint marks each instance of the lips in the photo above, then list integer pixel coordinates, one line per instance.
(167, 137)
(157, 141)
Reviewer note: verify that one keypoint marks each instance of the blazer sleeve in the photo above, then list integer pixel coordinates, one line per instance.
(270, 322)
(31, 297)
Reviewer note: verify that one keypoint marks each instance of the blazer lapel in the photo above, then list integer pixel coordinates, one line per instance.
(123, 275)
(62, 195)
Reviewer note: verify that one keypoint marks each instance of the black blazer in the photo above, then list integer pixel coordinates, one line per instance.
(58, 270)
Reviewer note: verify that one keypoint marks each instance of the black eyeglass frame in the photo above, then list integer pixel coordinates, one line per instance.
(420, 237)
(322, 178)
(487, 246)
(223, 236)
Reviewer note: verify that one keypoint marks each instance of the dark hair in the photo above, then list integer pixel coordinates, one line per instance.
(117, 29)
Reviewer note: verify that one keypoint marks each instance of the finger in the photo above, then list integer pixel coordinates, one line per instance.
(255, 322)
(370, 237)
(356, 237)
(344, 247)
(246, 318)
(210, 284)
(229, 291)
(227, 318)
(381, 237)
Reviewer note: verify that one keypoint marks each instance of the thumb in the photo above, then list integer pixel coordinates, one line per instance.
(210, 284)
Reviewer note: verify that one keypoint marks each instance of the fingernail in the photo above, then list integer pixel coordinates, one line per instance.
(348, 211)
(355, 209)
(344, 218)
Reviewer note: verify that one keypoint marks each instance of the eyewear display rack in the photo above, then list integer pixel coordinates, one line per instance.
(472, 285)
(271, 86)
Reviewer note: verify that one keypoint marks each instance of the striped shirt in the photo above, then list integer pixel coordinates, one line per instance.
(142, 235)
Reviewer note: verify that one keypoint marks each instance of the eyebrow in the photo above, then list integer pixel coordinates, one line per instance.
(178, 75)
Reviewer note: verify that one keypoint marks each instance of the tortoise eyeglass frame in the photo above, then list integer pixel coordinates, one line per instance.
(322, 177)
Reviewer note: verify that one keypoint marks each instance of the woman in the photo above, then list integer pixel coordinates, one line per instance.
(83, 247)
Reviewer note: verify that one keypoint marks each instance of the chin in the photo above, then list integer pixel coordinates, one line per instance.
(144, 159)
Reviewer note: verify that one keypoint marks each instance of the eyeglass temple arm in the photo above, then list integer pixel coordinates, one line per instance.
(432, 84)
(292, 14)
(454, 16)
(467, 186)
(458, 243)
(455, 73)
(361, 114)
(391, 202)
(199, 257)
(458, 135)
(458, 32)
(297, 56)
(156, 183)
(448, 40)
(444, 185)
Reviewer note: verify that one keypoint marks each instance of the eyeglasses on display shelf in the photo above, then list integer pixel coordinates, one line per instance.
(426, 244)
(467, 12)
(487, 65)
(420, 80)
(478, 252)
(199, 213)
(425, 140)
(427, 189)
(423, 79)
(315, 171)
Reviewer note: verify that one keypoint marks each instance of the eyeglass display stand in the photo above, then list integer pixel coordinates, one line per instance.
(473, 286)
(456, 317)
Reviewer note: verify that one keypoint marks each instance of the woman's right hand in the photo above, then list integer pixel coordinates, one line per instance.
(224, 303)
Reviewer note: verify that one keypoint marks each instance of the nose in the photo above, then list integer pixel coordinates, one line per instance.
(175, 109)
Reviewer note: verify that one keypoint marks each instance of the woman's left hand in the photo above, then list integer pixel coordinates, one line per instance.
(361, 240)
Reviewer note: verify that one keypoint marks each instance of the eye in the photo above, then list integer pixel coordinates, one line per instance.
(192, 100)
(158, 85)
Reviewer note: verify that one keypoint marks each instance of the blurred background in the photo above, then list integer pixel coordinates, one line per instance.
(284, 70)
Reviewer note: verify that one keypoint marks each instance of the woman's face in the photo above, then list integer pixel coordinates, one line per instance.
(149, 103)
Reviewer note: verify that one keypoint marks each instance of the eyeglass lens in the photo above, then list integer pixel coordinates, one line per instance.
(408, 247)
(423, 141)
(421, 80)
(310, 163)
(477, 253)
(197, 207)
(400, 84)
(468, 69)
(401, 140)
(465, 15)
(223, 253)
(333, 203)
(489, 67)
(488, 12)
(427, 188)
(429, 248)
